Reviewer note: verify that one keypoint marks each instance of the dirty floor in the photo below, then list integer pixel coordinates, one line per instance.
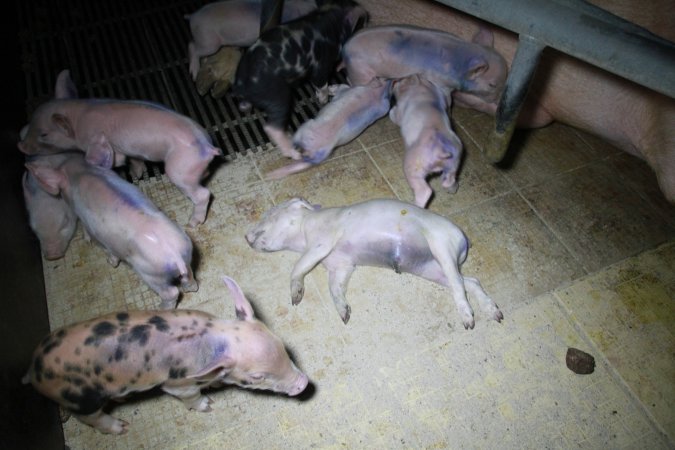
(573, 240)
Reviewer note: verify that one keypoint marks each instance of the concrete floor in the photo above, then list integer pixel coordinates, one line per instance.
(573, 241)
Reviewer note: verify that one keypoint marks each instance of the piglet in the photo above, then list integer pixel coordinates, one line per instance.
(109, 131)
(380, 233)
(305, 48)
(351, 111)
(232, 23)
(128, 226)
(398, 51)
(50, 218)
(430, 144)
(84, 365)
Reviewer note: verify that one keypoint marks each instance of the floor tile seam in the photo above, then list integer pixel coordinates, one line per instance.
(613, 371)
(483, 157)
(552, 230)
(386, 180)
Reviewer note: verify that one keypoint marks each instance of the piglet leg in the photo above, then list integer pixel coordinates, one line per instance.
(191, 397)
(104, 423)
(488, 305)
(337, 282)
(439, 248)
(304, 265)
(282, 140)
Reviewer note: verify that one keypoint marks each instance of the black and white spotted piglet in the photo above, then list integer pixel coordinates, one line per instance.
(82, 366)
(305, 48)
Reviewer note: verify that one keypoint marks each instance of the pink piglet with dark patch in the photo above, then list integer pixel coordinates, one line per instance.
(431, 145)
(82, 366)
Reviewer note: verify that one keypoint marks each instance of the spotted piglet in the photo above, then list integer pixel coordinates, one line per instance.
(84, 365)
(431, 145)
(305, 48)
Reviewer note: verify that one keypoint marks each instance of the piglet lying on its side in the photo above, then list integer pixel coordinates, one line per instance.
(84, 365)
(117, 215)
(430, 144)
(381, 233)
(351, 111)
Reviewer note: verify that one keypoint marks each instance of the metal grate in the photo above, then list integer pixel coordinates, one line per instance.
(133, 49)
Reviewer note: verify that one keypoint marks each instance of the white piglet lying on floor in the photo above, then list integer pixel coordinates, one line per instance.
(381, 233)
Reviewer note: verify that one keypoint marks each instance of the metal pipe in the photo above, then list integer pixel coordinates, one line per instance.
(522, 70)
(586, 32)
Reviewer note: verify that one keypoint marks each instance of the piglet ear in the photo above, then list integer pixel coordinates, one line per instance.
(299, 202)
(63, 123)
(477, 66)
(241, 305)
(218, 368)
(65, 88)
(49, 179)
(484, 37)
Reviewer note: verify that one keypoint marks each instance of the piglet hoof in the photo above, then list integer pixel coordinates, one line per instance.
(346, 314)
(498, 316)
(120, 427)
(469, 323)
(203, 404)
(297, 292)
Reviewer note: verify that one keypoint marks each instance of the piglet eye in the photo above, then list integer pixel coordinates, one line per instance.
(257, 376)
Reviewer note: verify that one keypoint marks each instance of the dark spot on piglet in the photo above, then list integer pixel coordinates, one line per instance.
(100, 331)
(177, 372)
(87, 401)
(109, 378)
(140, 334)
(120, 353)
(159, 323)
(122, 317)
(38, 366)
(97, 369)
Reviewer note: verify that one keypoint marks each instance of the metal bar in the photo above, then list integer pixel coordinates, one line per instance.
(522, 70)
(586, 32)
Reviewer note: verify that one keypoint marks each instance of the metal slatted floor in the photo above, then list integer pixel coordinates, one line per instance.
(129, 49)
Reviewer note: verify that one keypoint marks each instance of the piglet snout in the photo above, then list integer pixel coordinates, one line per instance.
(298, 385)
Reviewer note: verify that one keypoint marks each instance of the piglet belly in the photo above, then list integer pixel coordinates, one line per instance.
(399, 255)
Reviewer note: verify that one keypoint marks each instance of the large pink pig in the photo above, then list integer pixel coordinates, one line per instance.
(109, 131)
(565, 89)
(351, 111)
(430, 144)
(398, 51)
(50, 217)
(234, 23)
(128, 226)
